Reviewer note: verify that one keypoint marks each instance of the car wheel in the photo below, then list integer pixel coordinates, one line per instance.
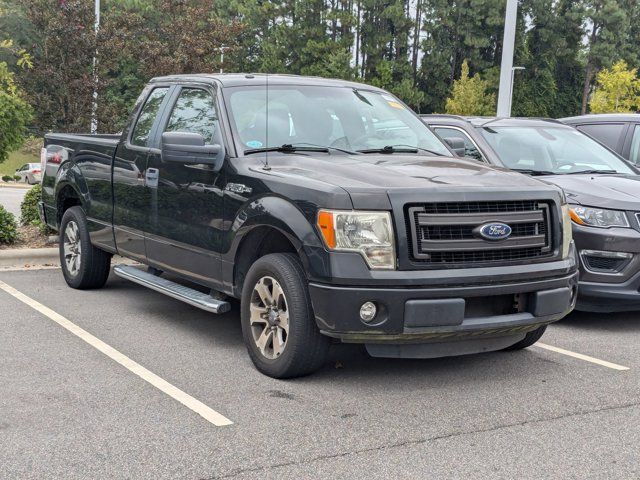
(278, 323)
(529, 339)
(83, 265)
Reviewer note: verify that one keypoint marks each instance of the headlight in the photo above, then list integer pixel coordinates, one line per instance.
(567, 235)
(369, 233)
(598, 217)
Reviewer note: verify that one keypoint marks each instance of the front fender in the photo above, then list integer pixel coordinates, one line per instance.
(287, 218)
(274, 212)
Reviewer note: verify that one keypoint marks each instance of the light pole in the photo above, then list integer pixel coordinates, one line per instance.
(513, 72)
(506, 67)
(222, 49)
(94, 104)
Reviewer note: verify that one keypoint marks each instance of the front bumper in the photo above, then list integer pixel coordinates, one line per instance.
(411, 315)
(609, 291)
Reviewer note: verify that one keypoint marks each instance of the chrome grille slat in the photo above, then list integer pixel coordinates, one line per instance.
(443, 233)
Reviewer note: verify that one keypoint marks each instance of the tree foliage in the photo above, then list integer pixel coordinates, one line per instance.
(617, 90)
(15, 113)
(469, 95)
(414, 48)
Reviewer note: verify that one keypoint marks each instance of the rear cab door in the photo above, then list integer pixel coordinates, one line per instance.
(131, 195)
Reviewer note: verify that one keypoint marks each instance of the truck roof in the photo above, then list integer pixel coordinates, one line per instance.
(256, 79)
(603, 118)
(486, 121)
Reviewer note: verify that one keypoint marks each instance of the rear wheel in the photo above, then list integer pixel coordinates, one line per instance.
(529, 339)
(83, 265)
(278, 324)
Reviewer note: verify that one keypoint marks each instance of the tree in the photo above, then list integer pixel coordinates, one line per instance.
(469, 95)
(15, 113)
(607, 34)
(617, 90)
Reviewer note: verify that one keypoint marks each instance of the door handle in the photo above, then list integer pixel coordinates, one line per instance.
(151, 177)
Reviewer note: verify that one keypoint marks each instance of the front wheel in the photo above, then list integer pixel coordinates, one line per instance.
(278, 324)
(529, 339)
(83, 265)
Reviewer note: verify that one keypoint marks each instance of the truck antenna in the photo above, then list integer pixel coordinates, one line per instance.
(266, 127)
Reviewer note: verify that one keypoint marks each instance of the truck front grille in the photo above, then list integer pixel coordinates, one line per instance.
(447, 233)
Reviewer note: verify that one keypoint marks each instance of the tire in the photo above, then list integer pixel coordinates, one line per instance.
(91, 266)
(298, 350)
(529, 339)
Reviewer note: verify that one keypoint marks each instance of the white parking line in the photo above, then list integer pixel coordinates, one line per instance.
(580, 356)
(174, 392)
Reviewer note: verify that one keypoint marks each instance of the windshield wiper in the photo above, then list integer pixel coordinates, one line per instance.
(286, 148)
(299, 147)
(528, 171)
(586, 172)
(388, 149)
(343, 150)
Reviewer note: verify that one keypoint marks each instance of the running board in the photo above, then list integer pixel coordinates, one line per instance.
(172, 289)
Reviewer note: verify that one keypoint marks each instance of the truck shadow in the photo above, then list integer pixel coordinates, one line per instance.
(612, 322)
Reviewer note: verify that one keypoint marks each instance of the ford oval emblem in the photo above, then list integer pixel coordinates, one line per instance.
(494, 231)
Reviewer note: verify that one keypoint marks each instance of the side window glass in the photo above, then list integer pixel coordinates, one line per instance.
(470, 149)
(194, 112)
(141, 131)
(607, 133)
(634, 155)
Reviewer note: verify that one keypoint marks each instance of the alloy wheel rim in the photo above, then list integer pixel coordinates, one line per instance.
(269, 317)
(72, 248)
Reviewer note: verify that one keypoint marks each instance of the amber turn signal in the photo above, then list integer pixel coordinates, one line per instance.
(326, 225)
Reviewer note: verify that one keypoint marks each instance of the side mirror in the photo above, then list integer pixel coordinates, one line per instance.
(186, 147)
(456, 144)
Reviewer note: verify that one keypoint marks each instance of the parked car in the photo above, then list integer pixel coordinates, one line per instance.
(30, 173)
(327, 207)
(619, 132)
(603, 191)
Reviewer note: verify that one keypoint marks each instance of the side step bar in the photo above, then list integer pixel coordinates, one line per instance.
(172, 289)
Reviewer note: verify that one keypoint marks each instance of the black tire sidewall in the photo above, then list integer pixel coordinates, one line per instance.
(301, 316)
(77, 215)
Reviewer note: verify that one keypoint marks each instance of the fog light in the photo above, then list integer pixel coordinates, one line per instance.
(368, 311)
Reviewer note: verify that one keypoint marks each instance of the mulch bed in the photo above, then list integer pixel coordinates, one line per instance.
(28, 237)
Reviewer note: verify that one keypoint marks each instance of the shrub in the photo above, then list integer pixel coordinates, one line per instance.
(29, 207)
(7, 178)
(16, 178)
(8, 227)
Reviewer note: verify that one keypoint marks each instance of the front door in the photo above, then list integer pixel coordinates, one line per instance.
(186, 199)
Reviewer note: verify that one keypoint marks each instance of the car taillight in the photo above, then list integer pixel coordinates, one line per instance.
(35, 171)
(55, 158)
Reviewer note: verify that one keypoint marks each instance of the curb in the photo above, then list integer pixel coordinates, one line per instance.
(22, 186)
(19, 257)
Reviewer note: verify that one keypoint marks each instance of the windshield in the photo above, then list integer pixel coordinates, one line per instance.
(334, 117)
(552, 150)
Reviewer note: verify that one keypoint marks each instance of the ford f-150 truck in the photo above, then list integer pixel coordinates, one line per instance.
(327, 207)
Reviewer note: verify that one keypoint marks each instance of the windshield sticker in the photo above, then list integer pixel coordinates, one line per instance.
(254, 144)
(396, 105)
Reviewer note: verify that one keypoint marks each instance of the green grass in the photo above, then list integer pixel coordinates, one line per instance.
(15, 161)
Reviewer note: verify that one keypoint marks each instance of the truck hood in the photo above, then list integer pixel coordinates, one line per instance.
(619, 192)
(359, 173)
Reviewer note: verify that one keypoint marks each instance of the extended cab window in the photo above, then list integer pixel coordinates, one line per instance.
(141, 131)
(194, 112)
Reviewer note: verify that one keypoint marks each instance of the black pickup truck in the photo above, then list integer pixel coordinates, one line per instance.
(327, 207)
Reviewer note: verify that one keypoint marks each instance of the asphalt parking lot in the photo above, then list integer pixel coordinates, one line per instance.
(68, 410)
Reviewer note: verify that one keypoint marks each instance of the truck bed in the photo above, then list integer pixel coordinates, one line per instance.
(107, 140)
